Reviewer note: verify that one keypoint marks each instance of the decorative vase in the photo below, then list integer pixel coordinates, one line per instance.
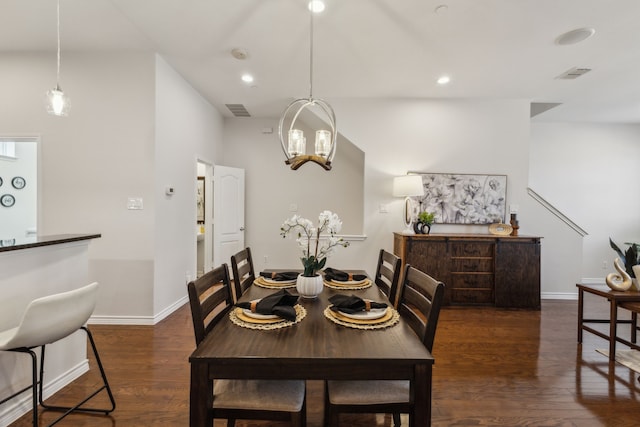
(309, 287)
(421, 228)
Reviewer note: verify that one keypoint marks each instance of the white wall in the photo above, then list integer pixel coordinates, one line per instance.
(135, 127)
(92, 161)
(187, 128)
(590, 172)
(461, 136)
(271, 187)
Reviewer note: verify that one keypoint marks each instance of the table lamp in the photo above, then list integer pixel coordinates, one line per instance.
(408, 186)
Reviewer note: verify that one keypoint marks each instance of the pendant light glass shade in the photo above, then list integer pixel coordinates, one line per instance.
(57, 103)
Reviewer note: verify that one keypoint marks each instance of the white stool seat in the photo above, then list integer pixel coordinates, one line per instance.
(51, 318)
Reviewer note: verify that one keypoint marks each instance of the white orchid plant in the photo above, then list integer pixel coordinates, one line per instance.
(322, 238)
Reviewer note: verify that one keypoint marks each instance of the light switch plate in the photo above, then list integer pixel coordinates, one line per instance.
(134, 203)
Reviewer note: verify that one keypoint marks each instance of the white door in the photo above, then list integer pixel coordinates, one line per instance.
(228, 213)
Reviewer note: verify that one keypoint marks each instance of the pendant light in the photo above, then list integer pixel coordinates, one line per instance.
(292, 139)
(57, 102)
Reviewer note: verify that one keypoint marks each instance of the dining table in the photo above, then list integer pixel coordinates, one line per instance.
(314, 348)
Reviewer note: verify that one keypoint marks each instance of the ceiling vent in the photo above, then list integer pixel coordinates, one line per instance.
(238, 110)
(573, 73)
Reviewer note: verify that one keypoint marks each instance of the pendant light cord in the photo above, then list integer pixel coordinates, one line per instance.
(310, 54)
(58, 32)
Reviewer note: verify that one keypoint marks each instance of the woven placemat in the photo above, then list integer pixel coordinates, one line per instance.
(237, 317)
(269, 285)
(389, 319)
(348, 287)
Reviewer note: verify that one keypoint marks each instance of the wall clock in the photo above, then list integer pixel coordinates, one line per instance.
(18, 182)
(7, 200)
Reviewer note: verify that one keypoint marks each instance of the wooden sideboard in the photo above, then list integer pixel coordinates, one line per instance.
(476, 268)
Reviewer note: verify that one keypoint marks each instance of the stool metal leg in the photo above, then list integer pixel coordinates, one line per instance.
(33, 386)
(78, 407)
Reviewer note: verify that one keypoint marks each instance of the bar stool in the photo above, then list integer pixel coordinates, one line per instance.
(45, 321)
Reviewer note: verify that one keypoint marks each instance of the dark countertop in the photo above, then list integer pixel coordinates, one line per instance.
(7, 245)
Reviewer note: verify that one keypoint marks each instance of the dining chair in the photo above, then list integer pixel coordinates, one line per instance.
(46, 320)
(243, 272)
(388, 275)
(419, 306)
(210, 300)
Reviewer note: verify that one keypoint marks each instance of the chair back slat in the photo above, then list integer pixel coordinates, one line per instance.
(243, 272)
(388, 275)
(210, 299)
(420, 303)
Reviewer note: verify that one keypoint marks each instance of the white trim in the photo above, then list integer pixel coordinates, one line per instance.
(22, 404)
(559, 296)
(138, 320)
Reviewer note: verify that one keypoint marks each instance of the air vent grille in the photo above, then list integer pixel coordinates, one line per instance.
(238, 110)
(573, 73)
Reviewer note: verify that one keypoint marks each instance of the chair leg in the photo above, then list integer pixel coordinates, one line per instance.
(634, 326)
(396, 419)
(79, 407)
(33, 386)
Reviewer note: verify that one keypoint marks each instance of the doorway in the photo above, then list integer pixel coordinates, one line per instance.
(204, 217)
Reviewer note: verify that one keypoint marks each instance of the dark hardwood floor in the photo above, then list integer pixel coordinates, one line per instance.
(493, 368)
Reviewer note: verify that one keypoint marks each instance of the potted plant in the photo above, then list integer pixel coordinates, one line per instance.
(630, 257)
(423, 225)
(317, 244)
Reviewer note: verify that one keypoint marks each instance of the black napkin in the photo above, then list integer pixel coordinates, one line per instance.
(341, 276)
(280, 276)
(279, 303)
(352, 304)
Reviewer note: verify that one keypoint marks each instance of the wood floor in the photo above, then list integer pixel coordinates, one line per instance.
(493, 368)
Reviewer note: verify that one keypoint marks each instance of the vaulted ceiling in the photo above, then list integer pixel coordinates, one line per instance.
(362, 48)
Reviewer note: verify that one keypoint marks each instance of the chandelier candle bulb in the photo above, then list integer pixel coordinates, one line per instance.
(323, 143)
(297, 143)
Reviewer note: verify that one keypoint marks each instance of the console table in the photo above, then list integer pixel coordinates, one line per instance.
(476, 268)
(616, 299)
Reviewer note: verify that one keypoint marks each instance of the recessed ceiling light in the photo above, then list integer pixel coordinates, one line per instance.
(316, 6)
(443, 80)
(575, 36)
(247, 78)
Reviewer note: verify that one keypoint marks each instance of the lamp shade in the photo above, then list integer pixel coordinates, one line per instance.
(408, 186)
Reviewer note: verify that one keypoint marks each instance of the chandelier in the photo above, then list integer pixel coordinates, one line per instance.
(57, 103)
(292, 139)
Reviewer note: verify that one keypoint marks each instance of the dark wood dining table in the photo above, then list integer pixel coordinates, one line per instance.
(312, 349)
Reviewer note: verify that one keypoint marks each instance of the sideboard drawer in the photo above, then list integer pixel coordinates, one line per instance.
(472, 264)
(472, 249)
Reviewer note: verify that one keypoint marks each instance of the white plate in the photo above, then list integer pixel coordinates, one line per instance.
(247, 312)
(278, 282)
(374, 314)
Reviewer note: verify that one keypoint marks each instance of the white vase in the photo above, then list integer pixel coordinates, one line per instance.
(309, 287)
(636, 272)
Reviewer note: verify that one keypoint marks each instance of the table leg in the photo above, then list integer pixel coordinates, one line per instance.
(201, 396)
(613, 329)
(580, 313)
(421, 416)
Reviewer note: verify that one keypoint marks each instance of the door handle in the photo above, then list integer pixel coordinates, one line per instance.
(241, 228)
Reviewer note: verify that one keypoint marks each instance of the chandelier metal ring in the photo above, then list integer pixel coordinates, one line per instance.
(302, 104)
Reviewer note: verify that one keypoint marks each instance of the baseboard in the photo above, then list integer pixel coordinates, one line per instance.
(559, 295)
(22, 404)
(138, 320)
